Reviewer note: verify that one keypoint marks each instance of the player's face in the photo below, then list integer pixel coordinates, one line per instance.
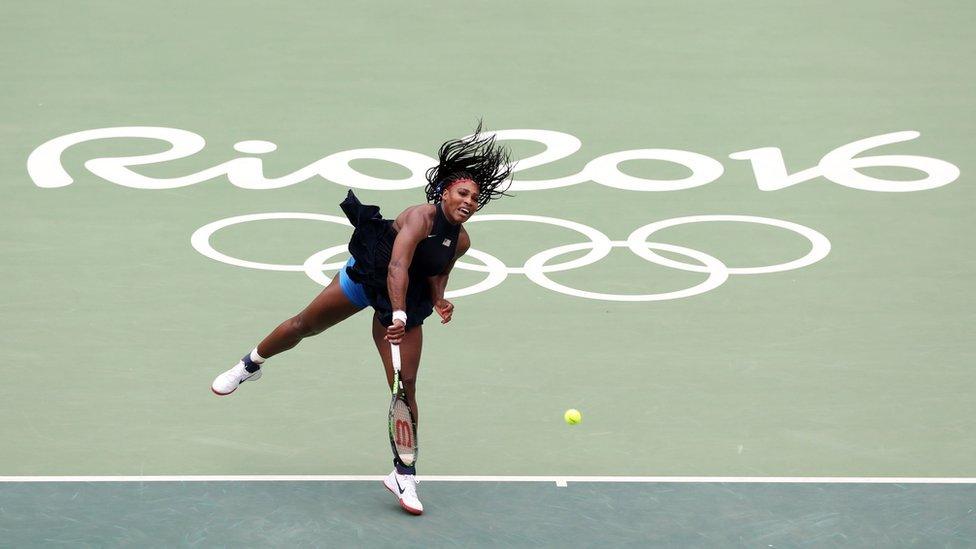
(460, 200)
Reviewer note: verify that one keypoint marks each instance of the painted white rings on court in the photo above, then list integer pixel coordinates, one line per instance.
(315, 266)
(601, 244)
(536, 267)
(718, 273)
(819, 250)
(200, 240)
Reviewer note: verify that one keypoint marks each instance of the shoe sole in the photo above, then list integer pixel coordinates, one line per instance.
(410, 510)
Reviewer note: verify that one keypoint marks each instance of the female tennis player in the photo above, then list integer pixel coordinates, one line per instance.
(399, 268)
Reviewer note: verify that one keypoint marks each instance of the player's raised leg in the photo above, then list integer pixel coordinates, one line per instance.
(402, 481)
(330, 307)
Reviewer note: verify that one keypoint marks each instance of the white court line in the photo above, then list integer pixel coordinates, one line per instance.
(558, 480)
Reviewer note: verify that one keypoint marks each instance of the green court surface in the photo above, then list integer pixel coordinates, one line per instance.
(820, 304)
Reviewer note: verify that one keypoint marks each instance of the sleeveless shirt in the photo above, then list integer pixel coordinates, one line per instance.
(371, 245)
(435, 252)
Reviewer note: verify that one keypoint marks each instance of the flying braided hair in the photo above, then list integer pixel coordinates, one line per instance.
(476, 158)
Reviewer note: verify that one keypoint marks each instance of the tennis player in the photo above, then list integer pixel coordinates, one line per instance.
(399, 268)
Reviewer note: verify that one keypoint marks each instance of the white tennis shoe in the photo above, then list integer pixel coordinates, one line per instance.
(227, 382)
(404, 487)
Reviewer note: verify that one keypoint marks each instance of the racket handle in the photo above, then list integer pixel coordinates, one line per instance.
(395, 353)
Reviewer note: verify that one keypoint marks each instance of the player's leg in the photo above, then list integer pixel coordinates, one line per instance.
(410, 348)
(402, 480)
(329, 308)
(337, 302)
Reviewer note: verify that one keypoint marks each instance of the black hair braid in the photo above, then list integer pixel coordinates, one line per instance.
(476, 158)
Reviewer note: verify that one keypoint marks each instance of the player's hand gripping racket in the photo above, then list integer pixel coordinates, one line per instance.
(403, 428)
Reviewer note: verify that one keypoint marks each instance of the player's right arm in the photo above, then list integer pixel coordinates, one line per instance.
(413, 226)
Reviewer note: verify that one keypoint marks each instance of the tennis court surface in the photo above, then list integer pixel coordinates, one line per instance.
(740, 244)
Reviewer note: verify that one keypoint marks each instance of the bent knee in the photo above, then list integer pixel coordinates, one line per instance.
(301, 326)
(409, 381)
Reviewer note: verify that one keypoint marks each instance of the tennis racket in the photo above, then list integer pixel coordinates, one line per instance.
(403, 428)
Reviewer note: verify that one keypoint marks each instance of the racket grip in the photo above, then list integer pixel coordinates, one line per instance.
(395, 354)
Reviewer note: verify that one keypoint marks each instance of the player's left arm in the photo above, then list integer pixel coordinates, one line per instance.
(438, 283)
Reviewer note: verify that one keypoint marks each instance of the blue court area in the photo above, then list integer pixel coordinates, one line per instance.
(519, 514)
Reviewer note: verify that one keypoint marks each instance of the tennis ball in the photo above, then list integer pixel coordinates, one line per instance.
(573, 416)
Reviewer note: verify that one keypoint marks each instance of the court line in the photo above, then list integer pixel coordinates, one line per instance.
(558, 480)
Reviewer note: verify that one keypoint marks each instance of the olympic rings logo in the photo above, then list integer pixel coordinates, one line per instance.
(537, 267)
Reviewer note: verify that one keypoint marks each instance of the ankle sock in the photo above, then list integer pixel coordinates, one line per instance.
(252, 361)
(404, 469)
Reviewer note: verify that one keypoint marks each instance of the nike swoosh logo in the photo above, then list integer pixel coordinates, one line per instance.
(397, 481)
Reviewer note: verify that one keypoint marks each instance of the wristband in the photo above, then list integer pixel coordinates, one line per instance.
(400, 315)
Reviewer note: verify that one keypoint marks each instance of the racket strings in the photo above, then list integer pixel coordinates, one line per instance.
(404, 436)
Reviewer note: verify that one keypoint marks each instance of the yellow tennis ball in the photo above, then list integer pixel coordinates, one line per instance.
(573, 416)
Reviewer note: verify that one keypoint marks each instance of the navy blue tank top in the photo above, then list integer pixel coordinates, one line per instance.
(434, 253)
(372, 244)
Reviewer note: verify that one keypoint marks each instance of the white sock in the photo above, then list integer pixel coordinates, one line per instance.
(256, 358)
